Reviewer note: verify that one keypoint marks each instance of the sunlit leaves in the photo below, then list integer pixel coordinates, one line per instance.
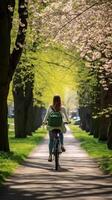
(89, 32)
(52, 74)
(81, 25)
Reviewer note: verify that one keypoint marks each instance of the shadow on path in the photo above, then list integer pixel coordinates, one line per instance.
(78, 177)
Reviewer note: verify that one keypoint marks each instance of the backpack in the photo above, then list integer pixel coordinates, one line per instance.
(55, 118)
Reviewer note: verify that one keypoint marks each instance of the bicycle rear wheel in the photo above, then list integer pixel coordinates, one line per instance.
(57, 155)
(56, 160)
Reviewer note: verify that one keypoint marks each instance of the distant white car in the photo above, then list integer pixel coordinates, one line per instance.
(74, 118)
(77, 120)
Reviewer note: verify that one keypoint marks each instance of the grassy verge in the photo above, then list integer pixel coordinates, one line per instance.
(97, 150)
(20, 149)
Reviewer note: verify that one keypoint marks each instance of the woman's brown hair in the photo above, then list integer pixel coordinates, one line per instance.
(57, 103)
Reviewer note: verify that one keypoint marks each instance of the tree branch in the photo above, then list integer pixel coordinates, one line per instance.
(17, 51)
(79, 14)
(11, 6)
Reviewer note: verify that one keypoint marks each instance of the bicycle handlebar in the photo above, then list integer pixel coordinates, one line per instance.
(67, 122)
(63, 122)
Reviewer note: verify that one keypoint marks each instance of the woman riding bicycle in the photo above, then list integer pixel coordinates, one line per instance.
(55, 109)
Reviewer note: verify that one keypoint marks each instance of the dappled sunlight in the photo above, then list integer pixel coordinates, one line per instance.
(78, 176)
(67, 51)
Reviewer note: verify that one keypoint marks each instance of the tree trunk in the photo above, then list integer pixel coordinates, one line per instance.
(23, 106)
(4, 143)
(30, 118)
(37, 117)
(102, 120)
(19, 109)
(85, 116)
(29, 107)
(109, 136)
(17, 51)
(95, 127)
(88, 117)
(8, 63)
(4, 63)
(82, 118)
(103, 128)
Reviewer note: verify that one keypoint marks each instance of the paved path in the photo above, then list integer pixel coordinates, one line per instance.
(79, 178)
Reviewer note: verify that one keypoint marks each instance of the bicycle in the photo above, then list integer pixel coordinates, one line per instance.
(56, 147)
(56, 151)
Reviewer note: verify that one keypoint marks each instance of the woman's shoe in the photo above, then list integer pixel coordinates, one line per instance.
(50, 158)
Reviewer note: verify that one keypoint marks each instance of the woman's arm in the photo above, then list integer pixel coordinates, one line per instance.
(46, 116)
(65, 114)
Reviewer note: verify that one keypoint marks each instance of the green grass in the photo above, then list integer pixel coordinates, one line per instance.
(97, 150)
(20, 149)
(10, 120)
(11, 124)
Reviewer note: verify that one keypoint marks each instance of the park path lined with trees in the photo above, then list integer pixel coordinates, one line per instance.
(68, 47)
(79, 177)
(83, 30)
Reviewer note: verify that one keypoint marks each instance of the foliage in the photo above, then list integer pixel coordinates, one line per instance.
(87, 86)
(50, 69)
(50, 65)
(54, 75)
(83, 25)
(86, 26)
(24, 74)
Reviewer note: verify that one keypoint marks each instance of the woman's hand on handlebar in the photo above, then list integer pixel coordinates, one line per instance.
(69, 122)
(44, 123)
